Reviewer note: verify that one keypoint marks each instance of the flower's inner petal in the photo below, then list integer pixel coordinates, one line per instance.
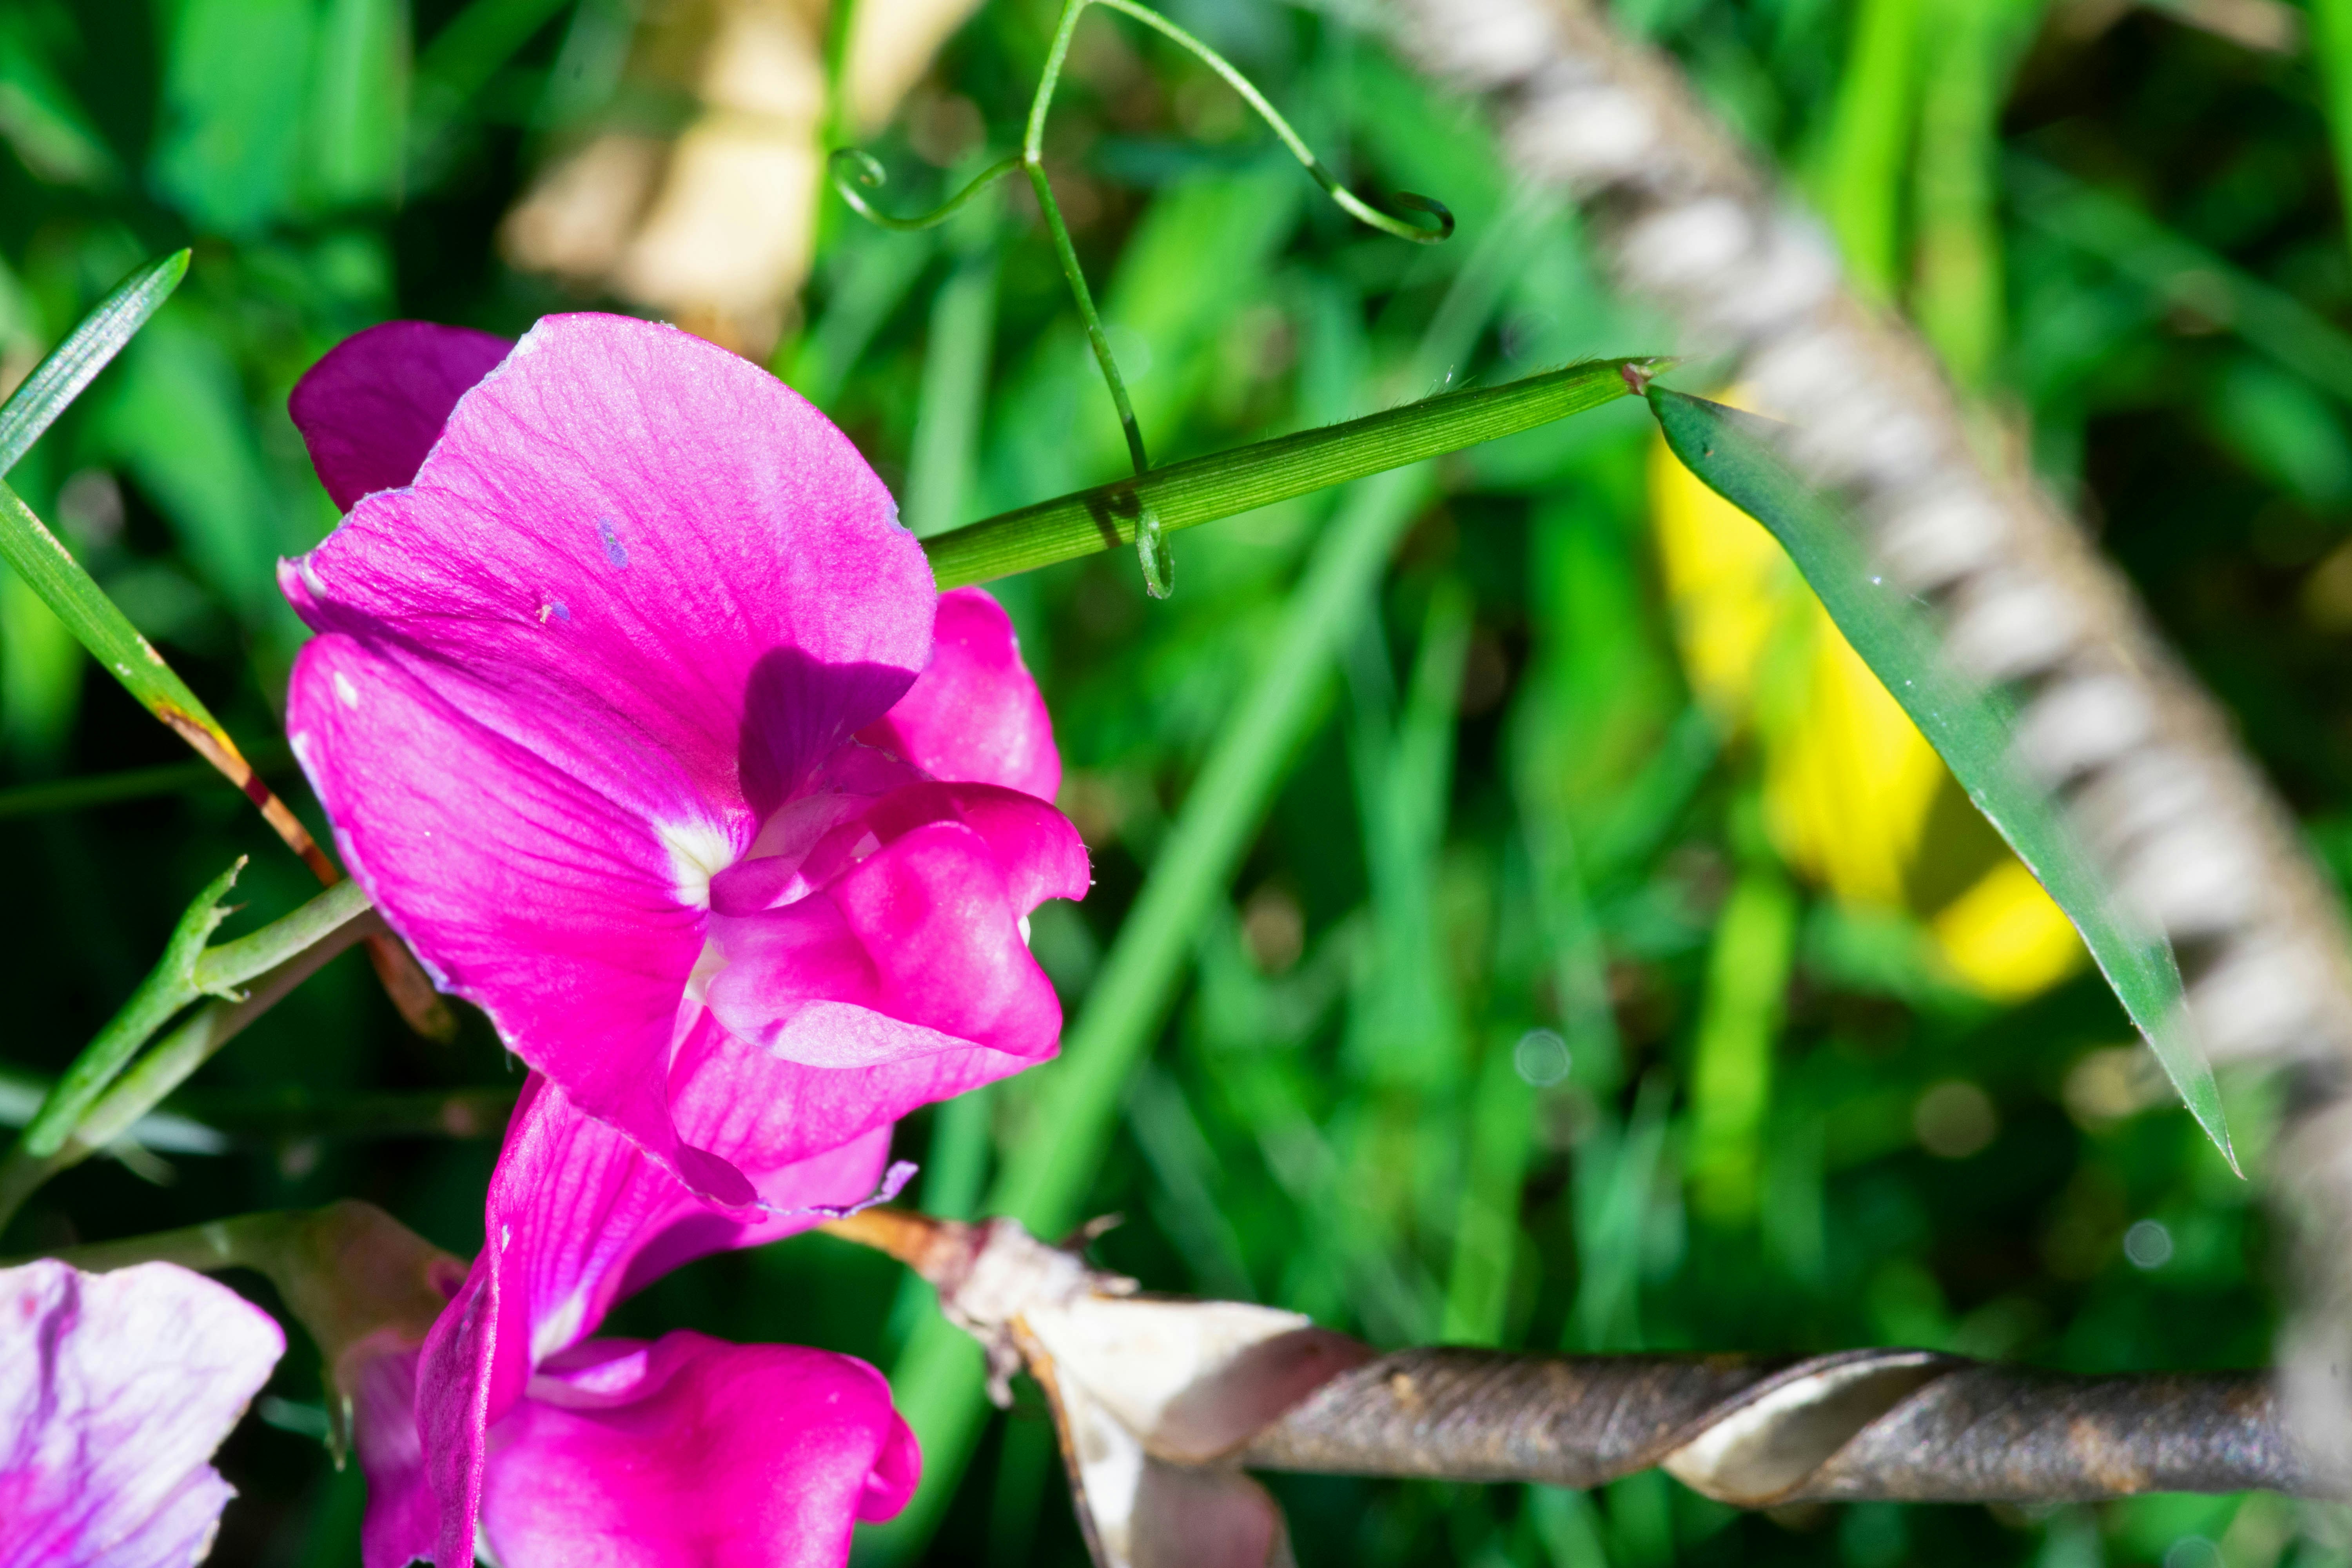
(720, 1081)
(921, 931)
(694, 1453)
(975, 715)
(371, 408)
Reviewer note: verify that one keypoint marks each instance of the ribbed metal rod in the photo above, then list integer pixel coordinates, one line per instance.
(1906, 1425)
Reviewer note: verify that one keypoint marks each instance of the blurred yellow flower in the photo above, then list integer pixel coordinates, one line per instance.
(1851, 786)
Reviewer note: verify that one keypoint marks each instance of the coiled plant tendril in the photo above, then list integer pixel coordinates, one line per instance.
(851, 169)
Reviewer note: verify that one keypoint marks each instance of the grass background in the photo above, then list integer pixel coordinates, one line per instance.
(1443, 974)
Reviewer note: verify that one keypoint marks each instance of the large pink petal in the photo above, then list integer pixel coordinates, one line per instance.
(922, 931)
(523, 887)
(693, 1453)
(577, 1217)
(115, 1391)
(373, 405)
(626, 519)
(975, 715)
(638, 595)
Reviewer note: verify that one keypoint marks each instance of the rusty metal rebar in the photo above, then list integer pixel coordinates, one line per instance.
(1902, 1426)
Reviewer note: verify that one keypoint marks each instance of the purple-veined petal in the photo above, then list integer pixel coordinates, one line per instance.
(375, 402)
(115, 1391)
(577, 1217)
(693, 1453)
(636, 596)
(975, 715)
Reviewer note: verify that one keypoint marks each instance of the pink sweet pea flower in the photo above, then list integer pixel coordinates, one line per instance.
(685, 1452)
(115, 1391)
(616, 708)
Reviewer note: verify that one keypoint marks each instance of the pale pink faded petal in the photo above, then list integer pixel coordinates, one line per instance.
(115, 1391)
(577, 1217)
(922, 931)
(975, 716)
(642, 590)
(693, 1453)
(373, 405)
(403, 1520)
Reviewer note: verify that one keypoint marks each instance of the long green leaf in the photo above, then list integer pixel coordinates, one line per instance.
(1225, 484)
(57, 380)
(49, 569)
(1972, 727)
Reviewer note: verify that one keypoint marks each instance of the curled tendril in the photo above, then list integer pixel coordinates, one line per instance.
(851, 167)
(1364, 212)
(1354, 205)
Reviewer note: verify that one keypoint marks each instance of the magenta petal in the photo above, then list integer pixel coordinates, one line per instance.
(630, 521)
(922, 933)
(402, 1521)
(577, 1217)
(374, 405)
(115, 1391)
(693, 1453)
(521, 886)
(637, 595)
(974, 716)
(1037, 849)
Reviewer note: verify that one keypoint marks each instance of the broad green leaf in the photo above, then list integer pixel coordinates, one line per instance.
(59, 379)
(1972, 727)
(1225, 484)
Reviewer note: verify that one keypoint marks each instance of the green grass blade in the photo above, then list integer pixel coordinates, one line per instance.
(57, 380)
(937, 1379)
(2331, 41)
(1973, 727)
(1203, 490)
(49, 569)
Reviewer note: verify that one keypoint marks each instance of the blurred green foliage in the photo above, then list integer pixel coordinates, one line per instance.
(1439, 979)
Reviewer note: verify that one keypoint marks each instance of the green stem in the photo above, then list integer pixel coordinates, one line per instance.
(1225, 484)
(171, 985)
(1068, 257)
(849, 168)
(293, 949)
(235, 1243)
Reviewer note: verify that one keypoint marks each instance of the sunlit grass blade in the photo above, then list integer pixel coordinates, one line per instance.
(1971, 726)
(57, 380)
(1225, 484)
(49, 569)
(937, 1379)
